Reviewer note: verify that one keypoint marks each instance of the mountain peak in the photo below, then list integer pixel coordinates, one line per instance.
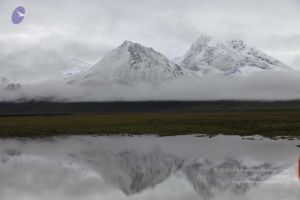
(210, 55)
(137, 51)
(131, 63)
(203, 39)
(129, 44)
(206, 40)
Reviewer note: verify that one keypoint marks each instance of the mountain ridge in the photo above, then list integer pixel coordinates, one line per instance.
(131, 63)
(210, 55)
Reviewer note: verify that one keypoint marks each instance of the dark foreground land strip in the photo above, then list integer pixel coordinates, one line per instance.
(267, 123)
(146, 106)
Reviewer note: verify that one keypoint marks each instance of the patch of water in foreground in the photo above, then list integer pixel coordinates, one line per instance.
(149, 167)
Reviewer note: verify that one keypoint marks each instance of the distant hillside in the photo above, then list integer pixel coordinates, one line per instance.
(151, 106)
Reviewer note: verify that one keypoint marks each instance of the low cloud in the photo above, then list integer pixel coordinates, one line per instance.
(258, 86)
(296, 61)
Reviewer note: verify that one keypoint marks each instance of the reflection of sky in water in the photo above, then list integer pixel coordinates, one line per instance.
(183, 167)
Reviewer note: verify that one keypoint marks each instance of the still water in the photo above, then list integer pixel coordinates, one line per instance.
(149, 167)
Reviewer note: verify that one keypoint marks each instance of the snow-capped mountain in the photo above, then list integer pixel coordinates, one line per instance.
(131, 63)
(74, 69)
(209, 55)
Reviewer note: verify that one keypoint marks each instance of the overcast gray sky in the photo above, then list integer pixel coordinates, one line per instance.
(54, 30)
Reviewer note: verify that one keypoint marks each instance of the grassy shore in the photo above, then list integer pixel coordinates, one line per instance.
(266, 123)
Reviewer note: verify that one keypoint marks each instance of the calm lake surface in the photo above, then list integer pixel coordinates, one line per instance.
(149, 167)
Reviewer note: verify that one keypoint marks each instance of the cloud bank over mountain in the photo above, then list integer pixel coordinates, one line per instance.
(258, 86)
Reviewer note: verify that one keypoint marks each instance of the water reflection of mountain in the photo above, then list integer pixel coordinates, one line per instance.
(133, 172)
(229, 175)
(136, 167)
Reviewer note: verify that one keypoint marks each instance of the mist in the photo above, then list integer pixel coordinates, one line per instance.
(266, 85)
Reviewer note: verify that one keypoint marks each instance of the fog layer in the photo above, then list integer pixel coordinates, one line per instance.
(258, 86)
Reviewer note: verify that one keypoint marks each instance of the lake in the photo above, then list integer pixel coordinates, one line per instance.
(149, 167)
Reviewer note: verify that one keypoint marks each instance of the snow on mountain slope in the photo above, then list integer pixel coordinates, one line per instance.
(131, 63)
(209, 55)
(74, 69)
